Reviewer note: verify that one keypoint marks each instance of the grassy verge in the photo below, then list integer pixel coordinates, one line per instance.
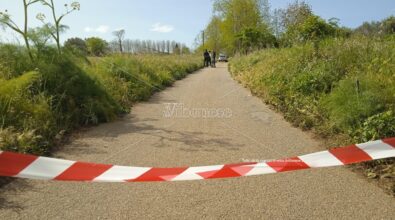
(42, 101)
(345, 91)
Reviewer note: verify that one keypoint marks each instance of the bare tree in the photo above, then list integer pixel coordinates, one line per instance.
(168, 46)
(265, 11)
(276, 23)
(128, 46)
(148, 46)
(163, 46)
(120, 35)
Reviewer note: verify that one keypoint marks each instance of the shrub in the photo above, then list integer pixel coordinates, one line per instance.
(96, 46)
(14, 60)
(375, 127)
(76, 44)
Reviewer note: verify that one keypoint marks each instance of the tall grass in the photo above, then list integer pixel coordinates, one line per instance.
(344, 91)
(41, 101)
(335, 91)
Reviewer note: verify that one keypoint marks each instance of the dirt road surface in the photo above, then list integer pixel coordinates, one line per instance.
(153, 136)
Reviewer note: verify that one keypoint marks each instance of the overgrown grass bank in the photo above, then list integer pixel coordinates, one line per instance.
(344, 89)
(41, 101)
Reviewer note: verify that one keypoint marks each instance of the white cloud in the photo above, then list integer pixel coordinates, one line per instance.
(101, 29)
(88, 29)
(158, 27)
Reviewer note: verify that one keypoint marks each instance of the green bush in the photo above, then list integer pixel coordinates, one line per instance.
(13, 61)
(376, 126)
(22, 106)
(353, 101)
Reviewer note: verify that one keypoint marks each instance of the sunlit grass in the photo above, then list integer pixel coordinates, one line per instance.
(38, 107)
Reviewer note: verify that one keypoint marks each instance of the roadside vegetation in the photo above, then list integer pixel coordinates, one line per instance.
(48, 90)
(345, 92)
(41, 101)
(336, 81)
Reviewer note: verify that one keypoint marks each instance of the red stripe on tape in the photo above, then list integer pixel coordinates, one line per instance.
(289, 164)
(12, 163)
(390, 141)
(229, 170)
(159, 174)
(81, 171)
(350, 154)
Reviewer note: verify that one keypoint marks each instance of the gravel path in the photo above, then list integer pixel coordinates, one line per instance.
(147, 137)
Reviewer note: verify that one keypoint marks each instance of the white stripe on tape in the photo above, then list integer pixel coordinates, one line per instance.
(377, 149)
(45, 168)
(320, 159)
(121, 174)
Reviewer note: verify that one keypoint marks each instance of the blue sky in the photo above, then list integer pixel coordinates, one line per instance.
(179, 20)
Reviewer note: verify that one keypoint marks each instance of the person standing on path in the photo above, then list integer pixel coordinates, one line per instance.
(213, 56)
(206, 56)
(209, 57)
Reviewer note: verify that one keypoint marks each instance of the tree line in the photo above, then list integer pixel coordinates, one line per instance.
(95, 46)
(243, 26)
(38, 39)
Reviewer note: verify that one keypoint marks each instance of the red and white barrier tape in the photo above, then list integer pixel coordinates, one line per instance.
(34, 167)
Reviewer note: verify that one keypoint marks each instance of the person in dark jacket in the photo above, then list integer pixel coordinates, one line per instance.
(213, 57)
(206, 56)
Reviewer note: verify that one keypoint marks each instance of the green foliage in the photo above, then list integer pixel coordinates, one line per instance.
(334, 91)
(388, 25)
(344, 90)
(237, 26)
(376, 28)
(96, 46)
(133, 78)
(13, 61)
(77, 45)
(252, 39)
(312, 28)
(376, 127)
(352, 102)
(315, 28)
(39, 37)
(23, 107)
(296, 13)
(213, 35)
(26, 141)
(240, 26)
(67, 91)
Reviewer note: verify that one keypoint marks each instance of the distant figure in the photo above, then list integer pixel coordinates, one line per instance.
(213, 57)
(210, 58)
(206, 56)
